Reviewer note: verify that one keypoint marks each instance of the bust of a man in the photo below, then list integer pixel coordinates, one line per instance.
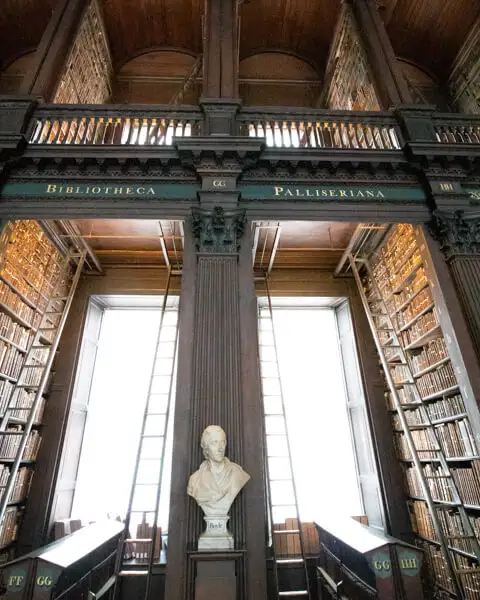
(218, 481)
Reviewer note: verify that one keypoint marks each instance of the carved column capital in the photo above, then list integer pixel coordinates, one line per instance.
(218, 231)
(456, 233)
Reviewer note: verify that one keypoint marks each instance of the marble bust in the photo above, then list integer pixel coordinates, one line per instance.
(215, 486)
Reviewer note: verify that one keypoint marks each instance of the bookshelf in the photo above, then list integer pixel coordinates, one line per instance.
(36, 285)
(431, 413)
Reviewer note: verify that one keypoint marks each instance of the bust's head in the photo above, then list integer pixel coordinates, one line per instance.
(214, 442)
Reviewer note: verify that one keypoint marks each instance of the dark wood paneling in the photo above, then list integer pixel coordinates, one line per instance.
(431, 32)
(299, 26)
(138, 25)
(22, 23)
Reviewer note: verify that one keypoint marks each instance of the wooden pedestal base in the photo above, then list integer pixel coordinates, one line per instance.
(216, 575)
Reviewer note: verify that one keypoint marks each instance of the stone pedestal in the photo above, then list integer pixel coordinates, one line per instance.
(217, 575)
(216, 536)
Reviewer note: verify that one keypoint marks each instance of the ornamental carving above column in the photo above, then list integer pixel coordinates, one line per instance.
(456, 233)
(218, 231)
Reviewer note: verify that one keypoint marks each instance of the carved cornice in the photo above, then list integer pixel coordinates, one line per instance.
(456, 234)
(218, 231)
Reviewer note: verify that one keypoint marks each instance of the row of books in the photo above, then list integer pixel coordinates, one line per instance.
(437, 569)
(437, 380)
(425, 323)
(402, 236)
(432, 353)
(288, 544)
(456, 438)
(420, 302)
(14, 332)
(441, 408)
(467, 480)
(20, 402)
(406, 395)
(469, 573)
(9, 530)
(11, 360)
(18, 306)
(22, 483)
(10, 442)
(437, 480)
(397, 302)
(13, 276)
(422, 441)
(405, 271)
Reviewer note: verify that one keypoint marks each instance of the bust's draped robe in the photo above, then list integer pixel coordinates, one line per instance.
(215, 493)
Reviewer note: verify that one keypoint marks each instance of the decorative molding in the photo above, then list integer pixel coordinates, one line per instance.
(456, 233)
(218, 231)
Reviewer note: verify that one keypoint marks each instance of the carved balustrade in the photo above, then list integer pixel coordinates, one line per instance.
(451, 128)
(100, 125)
(303, 128)
(158, 125)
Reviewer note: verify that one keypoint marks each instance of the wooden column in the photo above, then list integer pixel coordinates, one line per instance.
(458, 236)
(218, 384)
(52, 52)
(220, 99)
(390, 85)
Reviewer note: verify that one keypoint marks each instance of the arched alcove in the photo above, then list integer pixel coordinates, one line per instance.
(11, 77)
(155, 78)
(424, 87)
(278, 79)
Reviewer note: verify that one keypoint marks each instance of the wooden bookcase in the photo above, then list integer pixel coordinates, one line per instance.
(30, 266)
(442, 421)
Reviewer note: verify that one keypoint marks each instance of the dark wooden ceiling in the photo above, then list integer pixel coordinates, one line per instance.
(22, 23)
(426, 32)
(135, 26)
(431, 32)
(303, 27)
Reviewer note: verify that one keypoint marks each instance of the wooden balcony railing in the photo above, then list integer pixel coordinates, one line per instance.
(158, 125)
(111, 125)
(322, 129)
(453, 128)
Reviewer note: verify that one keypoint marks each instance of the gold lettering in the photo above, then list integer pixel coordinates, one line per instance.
(333, 193)
(128, 190)
(343, 194)
(69, 190)
(360, 194)
(446, 187)
(51, 188)
(141, 191)
(278, 190)
(324, 193)
(308, 193)
(107, 190)
(377, 565)
(288, 193)
(118, 191)
(408, 563)
(370, 194)
(96, 190)
(44, 580)
(300, 195)
(151, 191)
(77, 189)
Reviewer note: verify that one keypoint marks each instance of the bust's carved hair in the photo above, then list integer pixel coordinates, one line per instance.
(206, 434)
